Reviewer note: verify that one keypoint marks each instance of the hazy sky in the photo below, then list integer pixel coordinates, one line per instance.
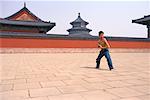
(112, 17)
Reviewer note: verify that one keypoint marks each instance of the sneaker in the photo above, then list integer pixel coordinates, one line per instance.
(111, 69)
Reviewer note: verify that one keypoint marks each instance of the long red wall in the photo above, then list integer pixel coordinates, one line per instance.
(60, 43)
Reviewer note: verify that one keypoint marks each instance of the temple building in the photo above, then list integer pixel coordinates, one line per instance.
(25, 30)
(79, 28)
(144, 21)
(24, 21)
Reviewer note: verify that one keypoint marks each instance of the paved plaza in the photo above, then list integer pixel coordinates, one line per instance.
(72, 76)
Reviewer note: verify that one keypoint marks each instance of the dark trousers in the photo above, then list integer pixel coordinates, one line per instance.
(104, 52)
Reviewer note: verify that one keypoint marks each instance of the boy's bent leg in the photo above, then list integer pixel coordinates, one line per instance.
(97, 64)
(98, 59)
(109, 61)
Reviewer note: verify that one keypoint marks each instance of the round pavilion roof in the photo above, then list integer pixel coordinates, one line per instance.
(79, 20)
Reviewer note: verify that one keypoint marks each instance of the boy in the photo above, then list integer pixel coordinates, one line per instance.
(104, 45)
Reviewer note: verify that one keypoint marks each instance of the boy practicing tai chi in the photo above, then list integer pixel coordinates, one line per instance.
(104, 45)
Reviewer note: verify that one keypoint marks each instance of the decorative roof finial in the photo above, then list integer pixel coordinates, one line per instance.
(24, 4)
(79, 14)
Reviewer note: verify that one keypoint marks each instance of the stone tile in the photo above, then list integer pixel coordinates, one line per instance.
(25, 76)
(119, 78)
(16, 81)
(124, 92)
(58, 78)
(142, 88)
(131, 98)
(38, 98)
(143, 75)
(7, 77)
(77, 77)
(144, 97)
(52, 83)
(66, 97)
(74, 74)
(96, 86)
(72, 89)
(43, 92)
(62, 74)
(98, 95)
(16, 95)
(19, 81)
(137, 82)
(110, 75)
(32, 80)
(11, 98)
(93, 80)
(6, 82)
(77, 73)
(44, 75)
(115, 84)
(6, 87)
(93, 75)
(26, 86)
(75, 82)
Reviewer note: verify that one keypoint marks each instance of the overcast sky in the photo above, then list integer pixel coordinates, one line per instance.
(112, 17)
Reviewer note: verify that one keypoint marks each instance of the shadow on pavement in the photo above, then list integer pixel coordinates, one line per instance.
(95, 68)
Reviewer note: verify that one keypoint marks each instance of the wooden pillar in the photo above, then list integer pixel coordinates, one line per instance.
(148, 26)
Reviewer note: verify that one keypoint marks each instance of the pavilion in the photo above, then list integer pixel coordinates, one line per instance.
(144, 21)
(24, 21)
(79, 28)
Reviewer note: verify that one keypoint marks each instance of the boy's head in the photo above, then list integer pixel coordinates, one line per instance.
(100, 32)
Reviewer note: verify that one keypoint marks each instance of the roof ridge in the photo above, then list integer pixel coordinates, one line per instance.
(79, 19)
(23, 9)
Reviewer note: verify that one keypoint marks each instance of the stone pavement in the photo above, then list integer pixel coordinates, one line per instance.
(72, 76)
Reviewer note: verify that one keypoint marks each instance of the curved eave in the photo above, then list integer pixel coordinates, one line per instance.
(26, 23)
(79, 30)
(140, 22)
(72, 23)
(144, 21)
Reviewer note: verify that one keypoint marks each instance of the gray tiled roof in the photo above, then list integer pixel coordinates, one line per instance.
(79, 20)
(38, 22)
(144, 20)
(26, 23)
(67, 37)
(43, 36)
(24, 9)
(79, 28)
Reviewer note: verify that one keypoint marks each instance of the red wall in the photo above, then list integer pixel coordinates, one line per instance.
(59, 43)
